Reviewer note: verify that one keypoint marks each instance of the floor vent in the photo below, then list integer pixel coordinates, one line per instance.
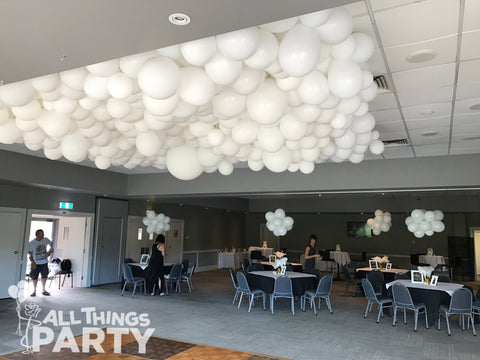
(382, 84)
(396, 142)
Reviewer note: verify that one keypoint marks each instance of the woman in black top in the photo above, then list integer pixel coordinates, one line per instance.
(311, 254)
(155, 267)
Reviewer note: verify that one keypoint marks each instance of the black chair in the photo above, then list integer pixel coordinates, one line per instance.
(402, 276)
(245, 263)
(444, 278)
(257, 255)
(377, 280)
(350, 280)
(186, 264)
(255, 267)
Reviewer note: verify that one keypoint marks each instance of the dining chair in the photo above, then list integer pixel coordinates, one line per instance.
(402, 276)
(460, 304)
(244, 289)
(403, 300)
(323, 292)
(175, 276)
(382, 301)
(235, 284)
(130, 279)
(188, 278)
(350, 280)
(186, 264)
(377, 280)
(282, 289)
(255, 267)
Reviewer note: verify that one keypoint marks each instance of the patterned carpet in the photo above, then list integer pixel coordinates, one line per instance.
(157, 348)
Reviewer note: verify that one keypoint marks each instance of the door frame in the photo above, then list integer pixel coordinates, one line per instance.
(87, 245)
(182, 229)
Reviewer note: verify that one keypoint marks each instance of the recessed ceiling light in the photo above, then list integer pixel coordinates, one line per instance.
(421, 56)
(319, 194)
(471, 138)
(427, 112)
(475, 107)
(179, 19)
(430, 133)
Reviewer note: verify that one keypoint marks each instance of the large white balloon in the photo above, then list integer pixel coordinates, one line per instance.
(299, 51)
(267, 104)
(345, 78)
(240, 44)
(277, 161)
(195, 86)
(245, 131)
(229, 103)
(314, 88)
(199, 52)
(148, 143)
(266, 52)
(222, 70)
(337, 27)
(159, 77)
(270, 138)
(182, 162)
(75, 147)
(17, 94)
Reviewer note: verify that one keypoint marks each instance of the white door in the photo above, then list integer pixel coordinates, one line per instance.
(174, 242)
(12, 223)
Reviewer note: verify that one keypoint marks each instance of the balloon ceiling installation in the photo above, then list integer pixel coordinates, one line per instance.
(285, 96)
(381, 222)
(278, 223)
(156, 223)
(423, 222)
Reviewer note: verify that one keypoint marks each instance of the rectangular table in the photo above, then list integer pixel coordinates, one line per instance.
(431, 296)
(265, 280)
(393, 271)
(432, 260)
(297, 267)
(233, 260)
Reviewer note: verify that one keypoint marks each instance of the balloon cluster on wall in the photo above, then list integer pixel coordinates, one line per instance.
(285, 95)
(278, 223)
(156, 223)
(423, 222)
(381, 222)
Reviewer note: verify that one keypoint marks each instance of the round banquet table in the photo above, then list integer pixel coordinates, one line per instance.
(264, 280)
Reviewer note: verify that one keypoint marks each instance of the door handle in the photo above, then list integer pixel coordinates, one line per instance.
(15, 252)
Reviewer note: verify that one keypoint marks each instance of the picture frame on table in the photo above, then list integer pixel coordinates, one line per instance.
(144, 259)
(417, 277)
(388, 266)
(272, 258)
(373, 264)
(434, 280)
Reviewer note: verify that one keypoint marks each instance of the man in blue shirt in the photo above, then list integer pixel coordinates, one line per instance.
(38, 253)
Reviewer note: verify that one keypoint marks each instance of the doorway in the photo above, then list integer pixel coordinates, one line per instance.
(71, 234)
(174, 242)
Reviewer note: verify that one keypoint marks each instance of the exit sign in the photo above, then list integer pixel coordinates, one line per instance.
(65, 205)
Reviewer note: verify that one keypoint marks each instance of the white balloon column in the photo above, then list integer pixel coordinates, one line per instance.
(278, 223)
(423, 222)
(156, 223)
(285, 96)
(381, 222)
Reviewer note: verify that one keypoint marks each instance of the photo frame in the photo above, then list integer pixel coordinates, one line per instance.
(388, 266)
(144, 259)
(434, 280)
(373, 264)
(417, 277)
(272, 258)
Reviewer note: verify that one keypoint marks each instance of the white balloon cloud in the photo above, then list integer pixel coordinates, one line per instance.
(156, 223)
(284, 95)
(381, 222)
(278, 223)
(422, 222)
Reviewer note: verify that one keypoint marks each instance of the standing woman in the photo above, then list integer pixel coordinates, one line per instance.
(155, 267)
(311, 254)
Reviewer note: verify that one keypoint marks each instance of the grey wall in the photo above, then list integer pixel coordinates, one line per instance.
(204, 229)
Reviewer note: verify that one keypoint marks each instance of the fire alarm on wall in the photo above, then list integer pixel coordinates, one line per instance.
(175, 233)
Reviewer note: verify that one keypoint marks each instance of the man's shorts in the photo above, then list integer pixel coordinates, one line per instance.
(40, 269)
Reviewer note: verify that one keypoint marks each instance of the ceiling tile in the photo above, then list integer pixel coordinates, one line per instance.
(419, 21)
(431, 150)
(393, 135)
(466, 141)
(382, 102)
(428, 124)
(463, 106)
(424, 78)
(398, 152)
(370, 156)
(426, 96)
(357, 8)
(387, 116)
(429, 111)
(446, 49)
(471, 15)
(468, 90)
(382, 4)
(468, 72)
(396, 126)
(442, 137)
(470, 49)
(462, 151)
(467, 119)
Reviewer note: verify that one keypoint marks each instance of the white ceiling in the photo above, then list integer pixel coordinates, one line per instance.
(432, 97)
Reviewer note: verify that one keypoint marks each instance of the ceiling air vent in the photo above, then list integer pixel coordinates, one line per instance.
(396, 142)
(382, 84)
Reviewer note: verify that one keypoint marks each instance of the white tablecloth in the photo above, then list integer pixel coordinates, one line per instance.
(273, 274)
(265, 251)
(233, 260)
(395, 271)
(447, 287)
(432, 260)
(342, 257)
(143, 266)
